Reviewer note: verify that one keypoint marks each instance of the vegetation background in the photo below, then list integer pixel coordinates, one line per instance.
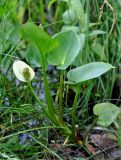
(24, 131)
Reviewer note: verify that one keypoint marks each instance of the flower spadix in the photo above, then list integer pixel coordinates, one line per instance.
(23, 71)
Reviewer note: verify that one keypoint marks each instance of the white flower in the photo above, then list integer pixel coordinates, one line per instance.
(23, 71)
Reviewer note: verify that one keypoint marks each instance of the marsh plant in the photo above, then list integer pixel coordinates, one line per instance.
(57, 95)
(61, 51)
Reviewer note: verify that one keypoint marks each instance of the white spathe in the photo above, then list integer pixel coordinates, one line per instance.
(18, 68)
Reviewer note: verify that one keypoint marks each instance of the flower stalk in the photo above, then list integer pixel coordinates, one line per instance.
(61, 97)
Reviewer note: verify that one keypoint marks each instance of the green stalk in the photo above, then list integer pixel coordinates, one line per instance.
(73, 113)
(47, 92)
(40, 102)
(61, 97)
(58, 10)
(49, 99)
(42, 12)
(29, 9)
(87, 30)
(64, 128)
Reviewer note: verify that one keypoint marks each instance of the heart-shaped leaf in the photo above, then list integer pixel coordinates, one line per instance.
(106, 112)
(38, 37)
(67, 50)
(88, 71)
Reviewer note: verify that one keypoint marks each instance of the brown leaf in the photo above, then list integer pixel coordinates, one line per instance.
(91, 149)
(103, 140)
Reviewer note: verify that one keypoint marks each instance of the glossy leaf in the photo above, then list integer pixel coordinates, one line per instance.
(79, 58)
(38, 37)
(88, 71)
(67, 50)
(106, 112)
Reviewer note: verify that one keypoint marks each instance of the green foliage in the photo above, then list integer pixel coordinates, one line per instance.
(75, 14)
(88, 71)
(77, 7)
(84, 35)
(38, 37)
(106, 112)
(69, 17)
(33, 56)
(96, 32)
(98, 49)
(62, 55)
(67, 50)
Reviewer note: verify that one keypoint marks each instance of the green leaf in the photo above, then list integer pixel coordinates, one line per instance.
(78, 8)
(38, 37)
(88, 71)
(82, 40)
(33, 56)
(97, 48)
(67, 50)
(79, 58)
(71, 28)
(96, 32)
(69, 16)
(106, 112)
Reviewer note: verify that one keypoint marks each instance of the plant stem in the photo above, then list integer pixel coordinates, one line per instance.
(58, 10)
(40, 102)
(49, 99)
(29, 10)
(42, 12)
(73, 112)
(87, 30)
(61, 97)
(62, 126)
